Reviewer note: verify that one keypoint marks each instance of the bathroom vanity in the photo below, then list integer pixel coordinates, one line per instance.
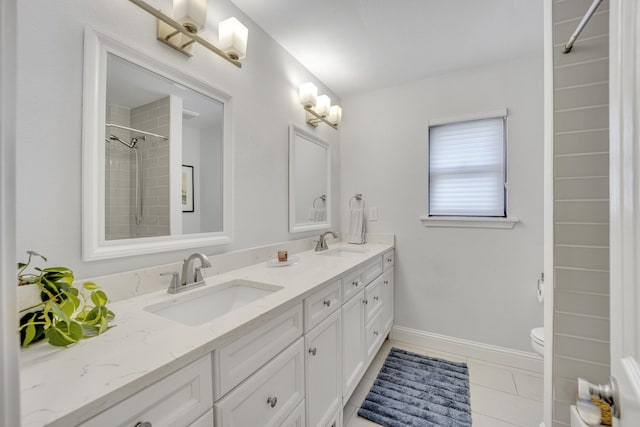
(290, 355)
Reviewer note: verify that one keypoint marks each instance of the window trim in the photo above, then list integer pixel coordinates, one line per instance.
(469, 221)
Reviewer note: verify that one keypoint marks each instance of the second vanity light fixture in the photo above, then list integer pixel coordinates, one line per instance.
(319, 108)
(181, 31)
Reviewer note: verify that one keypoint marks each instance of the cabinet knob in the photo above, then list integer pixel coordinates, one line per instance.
(376, 298)
(386, 282)
(272, 401)
(375, 333)
(365, 301)
(389, 260)
(355, 283)
(327, 302)
(143, 424)
(313, 351)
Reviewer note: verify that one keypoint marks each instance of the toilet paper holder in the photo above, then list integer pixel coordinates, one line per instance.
(605, 392)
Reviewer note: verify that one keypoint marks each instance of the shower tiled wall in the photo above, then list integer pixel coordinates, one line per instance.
(117, 176)
(581, 205)
(152, 117)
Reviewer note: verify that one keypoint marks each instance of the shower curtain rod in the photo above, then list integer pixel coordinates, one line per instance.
(569, 45)
(136, 130)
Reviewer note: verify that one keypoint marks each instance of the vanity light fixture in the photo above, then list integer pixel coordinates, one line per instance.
(319, 108)
(182, 31)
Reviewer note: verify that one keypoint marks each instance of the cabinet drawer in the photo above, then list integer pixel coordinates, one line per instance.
(176, 400)
(238, 360)
(296, 419)
(372, 269)
(352, 283)
(388, 259)
(269, 396)
(373, 336)
(204, 421)
(321, 304)
(372, 298)
(336, 419)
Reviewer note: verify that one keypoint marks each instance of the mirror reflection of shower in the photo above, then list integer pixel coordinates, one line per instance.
(137, 170)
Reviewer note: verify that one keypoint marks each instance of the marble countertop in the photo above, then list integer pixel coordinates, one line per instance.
(65, 386)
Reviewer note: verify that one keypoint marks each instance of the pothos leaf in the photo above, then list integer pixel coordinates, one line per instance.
(99, 297)
(59, 335)
(90, 286)
(29, 334)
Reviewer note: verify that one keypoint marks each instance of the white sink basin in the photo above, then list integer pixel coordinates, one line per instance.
(208, 304)
(343, 252)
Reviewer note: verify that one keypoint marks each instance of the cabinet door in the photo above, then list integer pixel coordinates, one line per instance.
(353, 345)
(387, 300)
(323, 353)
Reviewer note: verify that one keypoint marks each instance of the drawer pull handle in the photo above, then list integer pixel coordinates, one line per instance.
(375, 333)
(143, 424)
(355, 283)
(389, 260)
(272, 401)
(376, 298)
(327, 302)
(365, 301)
(386, 282)
(313, 351)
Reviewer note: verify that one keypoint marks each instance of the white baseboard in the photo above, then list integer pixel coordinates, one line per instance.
(476, 350)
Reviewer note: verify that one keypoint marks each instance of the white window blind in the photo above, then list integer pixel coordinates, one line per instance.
(467, 168)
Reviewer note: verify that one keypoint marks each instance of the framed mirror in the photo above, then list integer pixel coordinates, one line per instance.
(309, 182)
(156, 155)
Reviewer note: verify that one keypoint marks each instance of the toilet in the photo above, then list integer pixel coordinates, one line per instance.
(537, 340)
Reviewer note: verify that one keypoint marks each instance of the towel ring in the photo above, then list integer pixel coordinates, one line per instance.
(323, 198)
(357, 198)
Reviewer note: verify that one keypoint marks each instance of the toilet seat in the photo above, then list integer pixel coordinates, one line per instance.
(537, 340)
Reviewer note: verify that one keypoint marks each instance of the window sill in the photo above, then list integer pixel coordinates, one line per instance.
(468, 222)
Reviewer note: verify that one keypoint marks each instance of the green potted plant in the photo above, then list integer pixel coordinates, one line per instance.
(64, 316)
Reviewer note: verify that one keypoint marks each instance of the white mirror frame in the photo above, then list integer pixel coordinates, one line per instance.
(294, 131)
(97, 46)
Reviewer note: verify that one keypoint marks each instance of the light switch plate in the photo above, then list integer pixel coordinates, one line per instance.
(373, 214)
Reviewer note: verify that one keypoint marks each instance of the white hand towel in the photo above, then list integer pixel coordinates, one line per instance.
(356, 226)
(320, 215)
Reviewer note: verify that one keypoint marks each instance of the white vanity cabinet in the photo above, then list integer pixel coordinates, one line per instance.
(269, 397)
(178, 400)
(323, 369)
(237, 360)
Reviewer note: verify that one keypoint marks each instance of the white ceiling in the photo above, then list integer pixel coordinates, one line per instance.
(354, 46)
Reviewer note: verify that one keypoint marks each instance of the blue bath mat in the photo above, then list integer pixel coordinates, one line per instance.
(413, 390)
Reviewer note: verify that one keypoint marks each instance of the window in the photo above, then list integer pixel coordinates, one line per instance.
(467, 169)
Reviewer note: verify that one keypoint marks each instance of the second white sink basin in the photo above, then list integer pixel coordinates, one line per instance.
(343, 252)
(208, 304)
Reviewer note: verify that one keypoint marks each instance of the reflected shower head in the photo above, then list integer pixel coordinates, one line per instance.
(113, 137)
(135, 140)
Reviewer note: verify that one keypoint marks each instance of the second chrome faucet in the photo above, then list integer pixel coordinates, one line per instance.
(321, 244)
(191, 277)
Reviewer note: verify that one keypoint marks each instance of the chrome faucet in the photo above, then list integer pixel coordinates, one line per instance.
(321, 244)
(191, 277)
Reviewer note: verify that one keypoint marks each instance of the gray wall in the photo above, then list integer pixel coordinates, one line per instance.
(581, 206)
(265, 103)
(470, 283)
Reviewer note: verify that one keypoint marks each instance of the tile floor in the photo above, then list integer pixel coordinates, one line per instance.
(500, 396)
